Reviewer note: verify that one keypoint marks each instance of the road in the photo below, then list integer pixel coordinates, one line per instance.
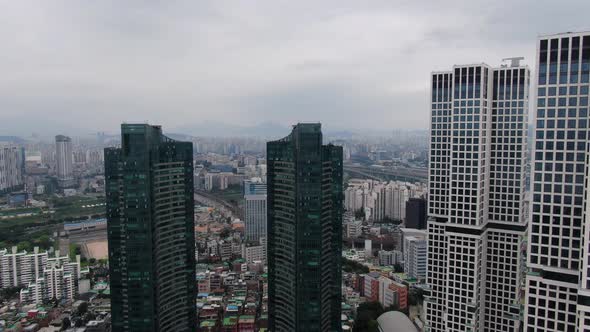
(388, 173)
(226, 208)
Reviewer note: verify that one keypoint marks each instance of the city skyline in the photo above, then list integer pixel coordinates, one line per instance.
(306, 167)
(231, 64)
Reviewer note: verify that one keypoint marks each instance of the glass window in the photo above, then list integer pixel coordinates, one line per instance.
(573, 101)
(562, 91)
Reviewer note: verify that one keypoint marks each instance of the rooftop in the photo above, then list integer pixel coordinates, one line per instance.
(395, 321)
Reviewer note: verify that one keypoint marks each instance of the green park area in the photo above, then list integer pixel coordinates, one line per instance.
(29, 227)
(232, 194)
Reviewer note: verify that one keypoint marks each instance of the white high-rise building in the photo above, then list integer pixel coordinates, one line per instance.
(11, 167)
(21, 268)
(415, 257)
(381, 200)
(476, 193)
(58, 281)
(558, 281)
(64, 161)
(255, 210)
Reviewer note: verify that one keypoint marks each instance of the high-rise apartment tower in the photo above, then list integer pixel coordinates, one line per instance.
(11, 167)
(255, 209)
(476, 223)
(63, 159)
(304, 232)
(150, 207)
(558, 281)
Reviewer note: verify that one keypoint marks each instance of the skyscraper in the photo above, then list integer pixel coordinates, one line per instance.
(558, 282)
(150, 207)
(11, 167)
(476, 222)
(416, 213)
(255, 209)
(304, 232)
(63, 158)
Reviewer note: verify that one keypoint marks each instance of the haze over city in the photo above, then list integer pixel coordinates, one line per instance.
(218, 67)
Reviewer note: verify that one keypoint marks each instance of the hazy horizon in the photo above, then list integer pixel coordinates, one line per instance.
(82, 67)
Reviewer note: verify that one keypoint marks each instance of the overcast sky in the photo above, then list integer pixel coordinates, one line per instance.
(77, 66)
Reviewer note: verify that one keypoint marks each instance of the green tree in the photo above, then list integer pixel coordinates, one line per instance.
(44, 241)
(24, 245)
(9, 292)
(352, 266)
(415, 296)
(66, 323)
(75, 250)
(82, 308)
(366, 317)
(359, 214)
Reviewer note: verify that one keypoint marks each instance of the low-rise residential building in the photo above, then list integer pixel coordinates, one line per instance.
(371, 286)
(254, 253)
(354, 229)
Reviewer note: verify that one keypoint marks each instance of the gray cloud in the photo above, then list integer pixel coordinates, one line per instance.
(83, 66)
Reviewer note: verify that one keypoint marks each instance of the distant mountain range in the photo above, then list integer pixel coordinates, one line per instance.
(211, 129)
(11, 139)
(268, 130)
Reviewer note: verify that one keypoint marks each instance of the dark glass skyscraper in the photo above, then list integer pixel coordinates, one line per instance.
(304, 232)
(416, 213)
(150, 207)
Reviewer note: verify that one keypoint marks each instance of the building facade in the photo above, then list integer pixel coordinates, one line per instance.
(416, 213)
(11, 167)
(415, 257)
(150, 208)
(254, 253)
(389, 258)
(59, 280)
(476, 193)
(64, 160)
(21, 268)
(304, 232)
(381, 200)
(255, 210)
(254, 186)
(558, 284)
(371, 283)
